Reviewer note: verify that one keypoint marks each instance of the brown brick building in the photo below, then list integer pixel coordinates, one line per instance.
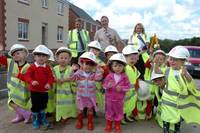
(88, 22)
(2, 23)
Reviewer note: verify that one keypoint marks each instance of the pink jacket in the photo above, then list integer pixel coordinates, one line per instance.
(111, 92)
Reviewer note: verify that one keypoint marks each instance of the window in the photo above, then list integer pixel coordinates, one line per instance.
(23, 29)
(24, 2)
(60, 33)
(45, 3)
(60, 8)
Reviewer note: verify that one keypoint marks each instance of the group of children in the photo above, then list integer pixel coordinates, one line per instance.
(114, 86)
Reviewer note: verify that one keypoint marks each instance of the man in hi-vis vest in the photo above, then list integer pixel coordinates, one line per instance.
(78, 39)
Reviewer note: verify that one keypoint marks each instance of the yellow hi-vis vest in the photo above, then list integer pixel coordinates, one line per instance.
(131, 96)
(180, 99)
(65, 98)
(73, 37)
(17, 89)
(134, 40)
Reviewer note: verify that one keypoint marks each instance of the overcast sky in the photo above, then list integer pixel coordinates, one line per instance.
(171, 19)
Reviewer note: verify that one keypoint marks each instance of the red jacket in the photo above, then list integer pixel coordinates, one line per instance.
(43, 75)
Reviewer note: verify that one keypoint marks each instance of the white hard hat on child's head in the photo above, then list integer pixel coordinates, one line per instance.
(89, 55)
(156, 75)
(159, 52)
(129, 49)
(63, 49)
(42, 49)
(179, 52)
(118, 57)
(111, 48)
(17, 47)
(95, 44)
(143, 92)
(51, 58)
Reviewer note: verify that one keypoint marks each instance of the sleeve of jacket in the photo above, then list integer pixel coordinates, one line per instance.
(126, 84)
(27, 77)
(106, 82)
(3, 60)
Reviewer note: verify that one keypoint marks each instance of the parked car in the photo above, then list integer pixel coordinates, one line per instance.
(193, 63)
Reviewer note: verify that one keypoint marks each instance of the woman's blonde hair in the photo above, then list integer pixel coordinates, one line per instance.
(141, 25)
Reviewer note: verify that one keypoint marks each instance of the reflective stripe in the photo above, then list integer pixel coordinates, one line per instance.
(169, 103)
(63, 92)
(180, 106)
(173, 93)
(19, 98)
(65, 102)
(10, 70)
(18, 86)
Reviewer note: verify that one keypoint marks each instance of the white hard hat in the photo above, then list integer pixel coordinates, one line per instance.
(42, 49)
(95, 44)
(111, 48)
(89, 55)
(143, 92)
(156, 75)
(118, 57)
(17, 47)
(159, 52)
(129, 49)
(51, 58)
(63, 49)
(179, 52)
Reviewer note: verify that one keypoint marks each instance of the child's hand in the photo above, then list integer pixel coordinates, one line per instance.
(118, 88)
(47, 86)
(34, 83)
(185, 74)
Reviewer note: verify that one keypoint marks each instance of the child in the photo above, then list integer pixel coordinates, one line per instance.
(179, 98)
(131, 55)
(40, 78)
(18, 94)
(65, 100)
(159, 61)
(116, 85)
(95, 48)
(86, 79)
(109, 51)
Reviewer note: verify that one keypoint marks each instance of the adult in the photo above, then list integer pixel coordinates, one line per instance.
(78, 39)
(108, 36)
(140, 40)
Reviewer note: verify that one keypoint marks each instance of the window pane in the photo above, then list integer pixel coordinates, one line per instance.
(19, 30)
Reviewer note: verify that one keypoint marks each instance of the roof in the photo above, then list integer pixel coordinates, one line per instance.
(81, 13)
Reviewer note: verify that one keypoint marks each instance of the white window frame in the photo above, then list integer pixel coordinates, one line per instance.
(44, 3)
(60, 8)
(24, 29)
(60, 33)
(24, 1)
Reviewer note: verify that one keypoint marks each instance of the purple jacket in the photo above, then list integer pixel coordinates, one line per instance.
(111, 92)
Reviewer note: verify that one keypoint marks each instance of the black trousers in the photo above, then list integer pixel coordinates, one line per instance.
(39, 101)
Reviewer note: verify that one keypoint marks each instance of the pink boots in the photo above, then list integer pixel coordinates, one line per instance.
(22, 114)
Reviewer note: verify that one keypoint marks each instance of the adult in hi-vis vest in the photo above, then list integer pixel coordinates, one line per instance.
(78, 40)
(140, 40)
